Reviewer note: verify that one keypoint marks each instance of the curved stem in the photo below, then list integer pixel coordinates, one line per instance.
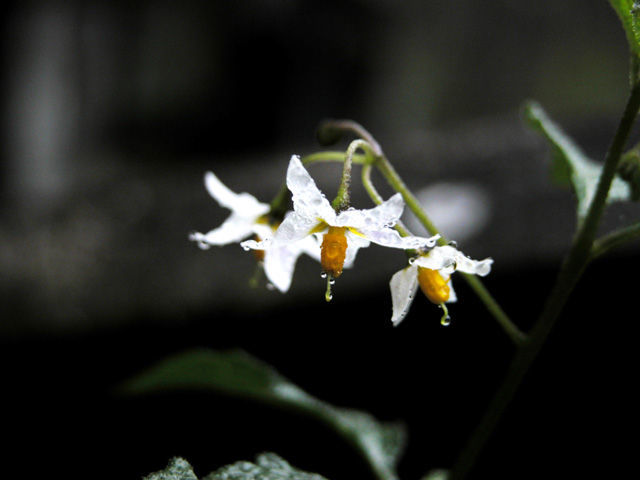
(332, 156)
(335, 129)
(614, 239)
(571, 270)
(343, 198)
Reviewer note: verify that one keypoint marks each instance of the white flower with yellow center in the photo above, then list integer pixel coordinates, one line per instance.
(249, 217)
(431, 272)
(344, 232)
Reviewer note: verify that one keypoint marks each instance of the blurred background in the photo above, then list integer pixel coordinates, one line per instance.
(111, 114)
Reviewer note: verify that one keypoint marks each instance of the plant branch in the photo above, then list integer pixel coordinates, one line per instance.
(614, 239)
(571, 270)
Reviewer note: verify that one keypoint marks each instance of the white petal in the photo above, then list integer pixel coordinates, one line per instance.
(451, 259)
(279, 264)
(308, 201)
(354, 243)
(232, 230)
(389, 237)
(263, 230)
(384, 215)
(453, 298)
(294, 227)
(253, 245)
(311, 246)
(403, 287)
(242, 204)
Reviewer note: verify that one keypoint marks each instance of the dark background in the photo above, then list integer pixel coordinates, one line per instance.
(113, 111)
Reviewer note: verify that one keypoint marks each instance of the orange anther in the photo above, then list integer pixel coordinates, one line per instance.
(333, 251)
(433, 285)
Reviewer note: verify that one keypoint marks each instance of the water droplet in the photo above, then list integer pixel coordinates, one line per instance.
(332, 281)
(329, 297)
(271, 286)
(445, 321)
(323, 275)
(453, 244)
(412, 260)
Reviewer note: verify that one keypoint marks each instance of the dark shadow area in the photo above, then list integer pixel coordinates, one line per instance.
(111, 114)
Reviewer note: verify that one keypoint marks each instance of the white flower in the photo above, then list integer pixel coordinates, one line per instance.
(431, 272)
(344, 232)
(249, 217)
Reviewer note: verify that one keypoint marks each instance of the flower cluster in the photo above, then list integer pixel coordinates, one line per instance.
(249, 217)
(334, 236)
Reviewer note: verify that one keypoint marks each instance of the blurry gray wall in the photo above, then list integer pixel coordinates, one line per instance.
(112, 112)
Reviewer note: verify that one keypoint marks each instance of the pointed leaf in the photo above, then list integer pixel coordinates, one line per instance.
(178, 469)
(237, 373)
(268, 466)
(571, 165)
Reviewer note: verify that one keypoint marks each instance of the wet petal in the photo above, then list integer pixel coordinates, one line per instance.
(232, 230)
(242, 204)
(389, 237)
(310, 246)
(354, 243)
(279, 264)
(453, 298)
(308, 200)
(294, 227)
(403, 287)
(477, 267)
(384, 215)
(451, 259)
(255, 245)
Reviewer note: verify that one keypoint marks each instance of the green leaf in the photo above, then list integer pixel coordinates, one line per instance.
(570, 165)
(178, 469)
(438, 474)
(627, 10)
(268, 466)
(239, 374)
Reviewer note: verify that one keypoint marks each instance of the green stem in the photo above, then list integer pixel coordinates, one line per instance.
(332, 156)
(343, 198)
(614, 239)
(571, 270)
(392, 177)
